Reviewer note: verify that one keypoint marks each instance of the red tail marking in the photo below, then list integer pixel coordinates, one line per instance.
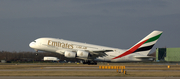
(131, 50)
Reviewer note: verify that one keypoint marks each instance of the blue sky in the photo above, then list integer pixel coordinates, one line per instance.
(112, 23)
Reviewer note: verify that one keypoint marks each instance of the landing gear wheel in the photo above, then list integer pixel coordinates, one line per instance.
(90, 62)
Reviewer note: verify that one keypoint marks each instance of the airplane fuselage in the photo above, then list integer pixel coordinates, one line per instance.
(60, 46)
(90, 52)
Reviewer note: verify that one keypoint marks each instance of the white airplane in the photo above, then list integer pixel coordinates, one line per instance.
(94, 53)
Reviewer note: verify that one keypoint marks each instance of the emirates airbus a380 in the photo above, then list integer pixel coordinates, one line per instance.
(95, 53)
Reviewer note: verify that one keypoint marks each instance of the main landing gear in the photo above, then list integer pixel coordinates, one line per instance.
(90, 62)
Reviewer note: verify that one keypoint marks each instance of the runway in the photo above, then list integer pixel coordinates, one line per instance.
(74, 77)
(83, 70)
(129, 68)
(67, 71)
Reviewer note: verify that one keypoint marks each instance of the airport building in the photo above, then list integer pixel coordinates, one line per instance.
(168, 54)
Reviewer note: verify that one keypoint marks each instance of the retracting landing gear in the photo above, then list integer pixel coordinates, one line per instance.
(36, 52)
(90, 62)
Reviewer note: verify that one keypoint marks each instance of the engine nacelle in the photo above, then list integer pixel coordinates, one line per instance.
(70, 54)
(82, 54)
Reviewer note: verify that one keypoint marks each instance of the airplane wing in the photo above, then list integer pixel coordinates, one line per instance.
(99, 53)
(93, 54)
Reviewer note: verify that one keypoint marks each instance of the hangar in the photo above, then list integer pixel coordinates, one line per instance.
(168, 54)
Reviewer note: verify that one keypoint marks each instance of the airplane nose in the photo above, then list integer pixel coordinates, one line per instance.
(32, 44)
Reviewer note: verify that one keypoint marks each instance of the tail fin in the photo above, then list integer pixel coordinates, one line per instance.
(144, 46)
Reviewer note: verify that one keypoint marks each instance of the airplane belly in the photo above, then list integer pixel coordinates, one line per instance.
(119, 59)
(102, 59)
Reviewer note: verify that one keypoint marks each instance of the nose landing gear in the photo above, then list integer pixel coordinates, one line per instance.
(36, 52)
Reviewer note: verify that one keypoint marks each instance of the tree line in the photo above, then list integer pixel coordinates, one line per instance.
(30, 56)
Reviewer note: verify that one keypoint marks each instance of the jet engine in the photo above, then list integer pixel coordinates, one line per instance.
(70, 54)
(82, 54)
